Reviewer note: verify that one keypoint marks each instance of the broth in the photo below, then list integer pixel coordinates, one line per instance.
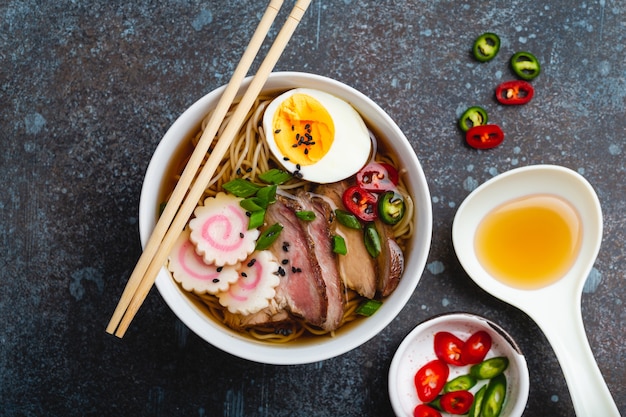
(530, 242)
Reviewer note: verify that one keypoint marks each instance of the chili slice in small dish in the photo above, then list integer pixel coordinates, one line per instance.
(448, 348)
(457, 402)
(484, 137)
(525, 65)
(514, 92)
(430, 379)
(486, 47)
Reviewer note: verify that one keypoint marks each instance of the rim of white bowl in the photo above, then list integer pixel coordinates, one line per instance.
(471, 321)
(319, 348)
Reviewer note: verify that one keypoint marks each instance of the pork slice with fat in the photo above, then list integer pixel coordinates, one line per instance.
(301, 289)
(357, 269)
(319, 230)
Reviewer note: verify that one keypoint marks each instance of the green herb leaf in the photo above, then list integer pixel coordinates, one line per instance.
(372, 240)
(268, 236)
(347, 219)
(275, 176)
(339, 245)
(241, 188)
(305, 215)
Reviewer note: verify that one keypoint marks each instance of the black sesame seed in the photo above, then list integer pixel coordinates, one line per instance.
(298, 167)
(243, 274)
(284, 261)
(281, 271)
(307, 126)
(306, 151)
(216, 280)
(293, 127)
(241, 235)
(251, 263)
(298, 270)
(293, 269)
(248, 214)
(219, 268)
(277, 131)
(285, 158)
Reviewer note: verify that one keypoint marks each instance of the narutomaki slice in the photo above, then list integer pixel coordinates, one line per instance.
(220, 231)
(255, 287)
(193, 274)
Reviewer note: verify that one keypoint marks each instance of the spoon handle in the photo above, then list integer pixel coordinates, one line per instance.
(566, 333)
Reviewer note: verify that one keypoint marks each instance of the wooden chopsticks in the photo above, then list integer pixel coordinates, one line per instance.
(178, 211)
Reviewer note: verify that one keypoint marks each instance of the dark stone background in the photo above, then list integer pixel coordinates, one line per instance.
(88, 88)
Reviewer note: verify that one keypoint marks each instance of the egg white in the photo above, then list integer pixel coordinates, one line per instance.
(349, 151)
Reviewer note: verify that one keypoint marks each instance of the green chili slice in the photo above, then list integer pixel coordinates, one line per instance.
(489, 368)
(477, 405)
(474, 116)
(268, 236)
(460, 383)
(525, 65)
(486, 46)
(391, 207)
(494, 397)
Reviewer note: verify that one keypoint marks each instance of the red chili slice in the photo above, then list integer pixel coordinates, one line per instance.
(430, 379)
(377, 177)
(457, 402)
(361, 203)
(514, 92)
(448, 348)
(476, 347)
(423, 410)
(484, 136)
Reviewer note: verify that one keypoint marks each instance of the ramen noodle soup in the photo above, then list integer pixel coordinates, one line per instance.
(304, 226)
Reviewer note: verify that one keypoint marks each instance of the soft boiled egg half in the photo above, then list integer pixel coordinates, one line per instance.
(316, 136)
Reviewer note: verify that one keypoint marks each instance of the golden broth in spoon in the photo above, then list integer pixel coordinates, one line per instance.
(529, 242)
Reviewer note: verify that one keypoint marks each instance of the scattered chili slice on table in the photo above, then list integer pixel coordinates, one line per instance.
(474, 116)
(484, 137)
(525, 65)
(486, 46)
(514, 92)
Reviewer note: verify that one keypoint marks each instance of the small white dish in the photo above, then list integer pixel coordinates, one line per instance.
(417, 349)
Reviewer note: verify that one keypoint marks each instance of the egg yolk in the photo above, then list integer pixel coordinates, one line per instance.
(303, 129)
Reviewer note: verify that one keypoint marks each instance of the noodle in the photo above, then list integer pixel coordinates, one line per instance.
(249, 156)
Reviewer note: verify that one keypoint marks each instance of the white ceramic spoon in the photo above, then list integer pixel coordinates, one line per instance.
(555, 308)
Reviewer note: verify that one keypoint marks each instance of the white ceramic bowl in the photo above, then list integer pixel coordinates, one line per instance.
(323, 347)
(417, 349)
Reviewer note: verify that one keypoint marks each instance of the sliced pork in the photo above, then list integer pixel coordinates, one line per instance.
(301, 289)
(358, 268)
(390, 260)
(319, 229)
